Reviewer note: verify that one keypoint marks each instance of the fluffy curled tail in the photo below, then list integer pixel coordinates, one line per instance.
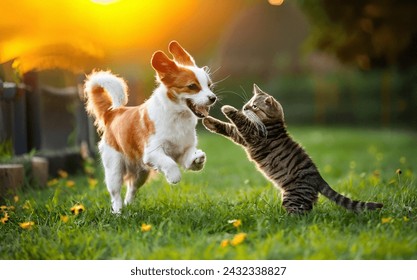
(346, 202)
(104, 92)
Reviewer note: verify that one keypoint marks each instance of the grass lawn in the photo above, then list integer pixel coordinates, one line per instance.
(191, 220)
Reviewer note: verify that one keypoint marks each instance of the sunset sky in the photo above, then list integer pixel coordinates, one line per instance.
(79, 34)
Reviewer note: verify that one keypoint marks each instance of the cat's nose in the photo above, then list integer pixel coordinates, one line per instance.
(212, 99)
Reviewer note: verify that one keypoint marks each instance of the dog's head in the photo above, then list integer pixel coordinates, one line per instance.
(186, 83)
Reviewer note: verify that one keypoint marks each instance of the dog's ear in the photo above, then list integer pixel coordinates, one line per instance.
(162, 64)
(181, 56)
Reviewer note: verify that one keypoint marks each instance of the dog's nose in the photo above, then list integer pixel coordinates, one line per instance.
(212, 98)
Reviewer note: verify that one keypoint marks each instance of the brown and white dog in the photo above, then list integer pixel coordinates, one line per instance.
(158, 134)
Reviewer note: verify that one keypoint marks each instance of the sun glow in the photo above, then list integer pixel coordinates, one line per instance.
(104, 2)
(76, 34)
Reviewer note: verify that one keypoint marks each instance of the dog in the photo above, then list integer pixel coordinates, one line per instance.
(159, 134)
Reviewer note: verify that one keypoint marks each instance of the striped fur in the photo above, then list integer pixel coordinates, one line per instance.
(260, 129)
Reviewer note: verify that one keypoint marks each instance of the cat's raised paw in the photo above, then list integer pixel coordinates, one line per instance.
(226, 109)
(210, 123)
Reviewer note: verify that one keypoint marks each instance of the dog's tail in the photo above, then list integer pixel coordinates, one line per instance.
(104, 92)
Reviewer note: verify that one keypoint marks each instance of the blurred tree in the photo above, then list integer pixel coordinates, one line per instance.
(370, 34)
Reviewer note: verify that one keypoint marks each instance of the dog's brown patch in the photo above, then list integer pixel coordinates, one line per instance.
(128, 130)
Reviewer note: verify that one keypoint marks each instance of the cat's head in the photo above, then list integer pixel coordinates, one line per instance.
(264, 106)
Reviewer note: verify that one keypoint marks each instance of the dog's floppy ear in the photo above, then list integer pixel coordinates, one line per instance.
(181, 56)
(162, 64)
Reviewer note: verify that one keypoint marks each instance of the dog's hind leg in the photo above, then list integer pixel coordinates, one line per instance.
(134, 183)
(113, 172)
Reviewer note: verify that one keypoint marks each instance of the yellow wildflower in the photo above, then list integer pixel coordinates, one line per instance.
(92, 182)
(5, 208)
(16, 198)
(398, 171)
(145, 228)
(224, 243)
(64, 218)
(236, 223)
(52, 182)
(386, 220)
(27, 205)
(238, 239)
(62, 173)
(27, 225)
(5, 218)
(70, 183)
(77, 209)
(406, 219)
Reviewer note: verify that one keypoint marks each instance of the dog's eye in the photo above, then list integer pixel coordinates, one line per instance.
(192, 87)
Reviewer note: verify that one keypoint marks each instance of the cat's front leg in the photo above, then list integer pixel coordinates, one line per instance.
(223, 128)
(249, 130)
(229, 111)
(237, 117)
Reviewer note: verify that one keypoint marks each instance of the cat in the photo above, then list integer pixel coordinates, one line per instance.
(260, 128)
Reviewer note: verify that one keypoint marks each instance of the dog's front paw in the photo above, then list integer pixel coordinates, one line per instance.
(198, 160)
(227, 110)
(173, 175)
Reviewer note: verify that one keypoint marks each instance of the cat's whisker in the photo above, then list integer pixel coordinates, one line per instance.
(256, 121)
(229, 91)
(244, 94)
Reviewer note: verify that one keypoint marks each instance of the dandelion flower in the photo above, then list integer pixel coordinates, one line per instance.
(236, 223)
(64, 218)
(27, 225)
(27, 205)
(16, 198)
(3, 208)
(224, 243)
(70, 183)
(238, 239)
(92, 182)
(52, 182)
(386, 220)
(145, 228)
(5, 218)
(62, 173)
(77, 209)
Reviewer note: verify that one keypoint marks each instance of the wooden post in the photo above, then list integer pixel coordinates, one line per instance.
(40, 171)
(11, 179)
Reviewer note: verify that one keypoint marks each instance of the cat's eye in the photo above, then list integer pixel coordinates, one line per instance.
(254, 107)
(192, 87)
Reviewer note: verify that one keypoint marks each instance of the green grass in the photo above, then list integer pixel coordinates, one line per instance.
(190, 220)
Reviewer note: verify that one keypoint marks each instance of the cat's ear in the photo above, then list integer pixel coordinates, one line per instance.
(257, 90)
(181, 56)
(271, 101)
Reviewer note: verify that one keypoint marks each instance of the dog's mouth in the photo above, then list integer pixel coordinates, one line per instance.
(200, 111)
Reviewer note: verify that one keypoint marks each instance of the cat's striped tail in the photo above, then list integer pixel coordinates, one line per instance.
(346, 202)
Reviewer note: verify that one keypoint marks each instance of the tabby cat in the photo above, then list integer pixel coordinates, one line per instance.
(261, 129)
